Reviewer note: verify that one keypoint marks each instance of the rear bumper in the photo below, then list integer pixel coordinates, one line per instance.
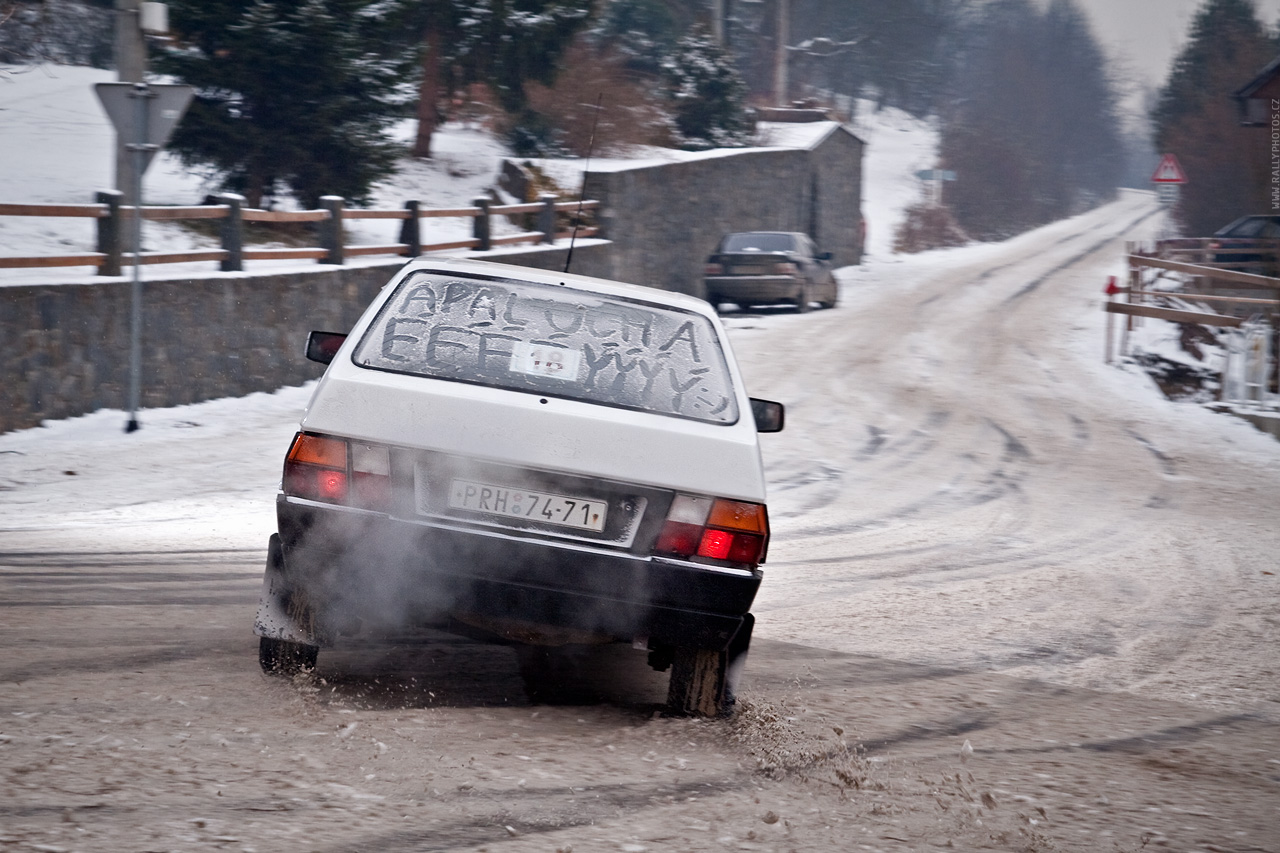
(355, 572)
(753, 288)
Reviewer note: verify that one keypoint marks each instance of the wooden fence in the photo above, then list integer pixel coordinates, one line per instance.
(1213, 270)
(553, 220)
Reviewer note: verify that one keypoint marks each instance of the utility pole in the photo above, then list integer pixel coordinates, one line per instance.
(131, 67)
(782, 35)
(717, 21)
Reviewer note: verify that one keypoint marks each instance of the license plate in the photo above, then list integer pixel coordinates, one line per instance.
(749, 269)
(560, 510)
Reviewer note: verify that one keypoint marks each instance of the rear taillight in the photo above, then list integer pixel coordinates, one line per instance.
(715, 530)
(333, 470)
(784, 267)
(715, 269)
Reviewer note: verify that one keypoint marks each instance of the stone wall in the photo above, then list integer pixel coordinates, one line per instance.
(64, 349)
(665, 219)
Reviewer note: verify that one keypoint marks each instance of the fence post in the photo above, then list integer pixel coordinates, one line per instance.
(109, 232)
(547, 218)
(232, 232)
(481, 231)
(331, 230)
(410, 233)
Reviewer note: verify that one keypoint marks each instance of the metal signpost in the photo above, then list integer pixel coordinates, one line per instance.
(144, 116)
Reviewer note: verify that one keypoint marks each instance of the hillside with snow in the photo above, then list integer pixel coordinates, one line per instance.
(57, 146)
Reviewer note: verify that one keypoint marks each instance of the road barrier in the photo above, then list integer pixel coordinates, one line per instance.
(552, 219)
(1250, 374)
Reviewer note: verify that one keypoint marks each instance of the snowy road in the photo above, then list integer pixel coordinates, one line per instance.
(980, 532)
(963, 482)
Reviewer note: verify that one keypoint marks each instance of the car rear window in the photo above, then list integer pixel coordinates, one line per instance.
(553, 340)
(759, 243)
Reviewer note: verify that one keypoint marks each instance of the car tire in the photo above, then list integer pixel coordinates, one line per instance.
(830, 303)
(282, 657)
(803, 300)
(698, 685)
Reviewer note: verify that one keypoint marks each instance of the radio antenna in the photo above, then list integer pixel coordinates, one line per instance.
(591, 144)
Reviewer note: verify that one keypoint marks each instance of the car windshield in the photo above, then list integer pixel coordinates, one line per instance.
(759, 242)
(553, 340)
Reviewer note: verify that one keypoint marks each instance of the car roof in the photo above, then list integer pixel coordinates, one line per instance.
(468, 266)
(1225, 230)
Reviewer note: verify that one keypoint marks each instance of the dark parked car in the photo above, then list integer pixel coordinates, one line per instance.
(1248, 232)
(761, 267)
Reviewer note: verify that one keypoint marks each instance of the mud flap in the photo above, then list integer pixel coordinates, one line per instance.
(273, 620)
(737, 659)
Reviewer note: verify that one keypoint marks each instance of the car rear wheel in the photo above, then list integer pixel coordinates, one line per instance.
(698, 683)
(281, 657)
(704, 682)
(832, 299)
(803, 300)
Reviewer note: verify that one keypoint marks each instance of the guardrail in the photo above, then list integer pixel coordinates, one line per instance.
(113, 217)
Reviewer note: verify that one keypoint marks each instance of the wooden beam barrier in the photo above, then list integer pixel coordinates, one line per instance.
(1204, 297)
(510, 239)
(470, 243)
(1172, 314)
(43, 261)
(390, 249)
(252, 215)
(582, 232)
(126, 259)
(426, 213)
(314, 253)
(93, 211)
(590, 204)
(162, 214)
(517, 208)
(350, 213)
(1205, 272)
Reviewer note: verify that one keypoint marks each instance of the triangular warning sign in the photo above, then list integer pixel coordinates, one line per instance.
(1169, 171)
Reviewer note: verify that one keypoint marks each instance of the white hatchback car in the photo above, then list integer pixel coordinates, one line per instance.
(540, 458)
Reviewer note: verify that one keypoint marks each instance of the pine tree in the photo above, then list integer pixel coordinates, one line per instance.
(1032, 135)
(1195, 117)
(643, 31)
(290, 97)
(706, 94)
(502, 43)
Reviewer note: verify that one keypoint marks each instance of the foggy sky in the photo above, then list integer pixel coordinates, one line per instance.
(1144, 36)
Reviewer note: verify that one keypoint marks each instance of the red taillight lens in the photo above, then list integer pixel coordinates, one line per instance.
(784, 267)
(316, 468)
(715, 544)
(723, 531)
(715, 269)
(679, 540)
(321, 468)
(330, 485)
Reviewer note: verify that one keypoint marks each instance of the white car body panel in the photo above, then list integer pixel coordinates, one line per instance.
(548, 433)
